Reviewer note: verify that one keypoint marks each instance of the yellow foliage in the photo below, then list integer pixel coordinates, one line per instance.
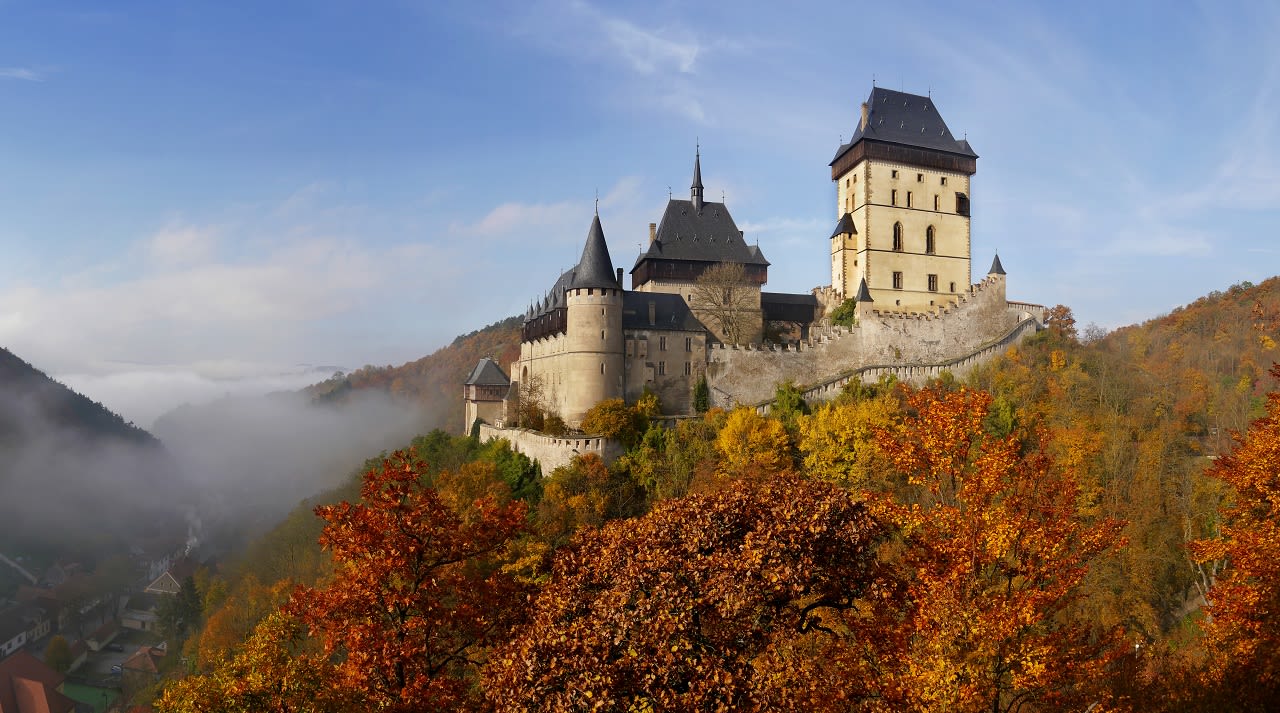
(837, 442)
(750, 443)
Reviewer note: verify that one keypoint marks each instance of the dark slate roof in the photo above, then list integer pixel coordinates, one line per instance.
(595, 268)
(996, 267)
(555, 299)
(864, 295)
(709, 235)
(906, 119)
(487, 373)
(670, 312)
(845, 226)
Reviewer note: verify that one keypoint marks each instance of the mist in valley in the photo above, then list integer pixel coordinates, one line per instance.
(219, 473)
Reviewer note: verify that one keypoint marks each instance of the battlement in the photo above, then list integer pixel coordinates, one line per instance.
(551, 452)
(914, 342)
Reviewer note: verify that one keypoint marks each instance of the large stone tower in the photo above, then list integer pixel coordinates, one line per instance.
(902, 205)
(571, 348)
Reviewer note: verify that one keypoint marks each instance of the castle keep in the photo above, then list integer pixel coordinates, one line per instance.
(900, 253)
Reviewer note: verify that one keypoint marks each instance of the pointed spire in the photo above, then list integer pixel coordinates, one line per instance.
(696, 189)
(595, 268)
(864, 295)
(996, 267)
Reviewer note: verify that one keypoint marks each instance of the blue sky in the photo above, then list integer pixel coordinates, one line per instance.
(205, 197)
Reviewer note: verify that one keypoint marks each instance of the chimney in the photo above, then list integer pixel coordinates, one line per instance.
(653, 232)
(866, 112)
(653, 313)
(619, 278)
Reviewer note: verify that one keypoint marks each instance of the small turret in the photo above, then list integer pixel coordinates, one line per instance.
(996, 267)
(864, 295)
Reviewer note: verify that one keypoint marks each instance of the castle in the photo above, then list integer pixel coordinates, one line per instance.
(900, 252)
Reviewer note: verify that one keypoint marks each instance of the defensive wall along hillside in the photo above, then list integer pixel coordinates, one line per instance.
(981, 324)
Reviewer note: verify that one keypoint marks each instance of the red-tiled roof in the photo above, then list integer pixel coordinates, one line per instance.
(27, 685)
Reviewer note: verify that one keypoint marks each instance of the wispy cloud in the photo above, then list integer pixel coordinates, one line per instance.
(24, 73)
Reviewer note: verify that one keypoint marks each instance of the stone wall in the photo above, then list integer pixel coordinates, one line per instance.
(551, 452)
(750, 375)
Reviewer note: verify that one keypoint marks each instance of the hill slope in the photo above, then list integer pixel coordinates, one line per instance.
(434, 380)
(76, 478)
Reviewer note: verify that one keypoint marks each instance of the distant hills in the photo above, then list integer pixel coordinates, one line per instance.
(435, 381)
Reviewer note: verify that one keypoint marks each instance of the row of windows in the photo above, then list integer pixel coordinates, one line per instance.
(929, 246)
(911, 202)
(662, 368)
(942, 180)
(932, 282)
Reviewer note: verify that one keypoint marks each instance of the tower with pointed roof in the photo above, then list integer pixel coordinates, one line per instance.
(902, 205)
(571, 341)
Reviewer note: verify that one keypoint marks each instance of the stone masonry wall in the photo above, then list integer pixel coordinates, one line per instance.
(551, 452)
(750, 375)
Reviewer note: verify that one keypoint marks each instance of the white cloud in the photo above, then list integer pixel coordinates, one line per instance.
(182, 244)
(24, 73)
(648, 52)
(517, 219)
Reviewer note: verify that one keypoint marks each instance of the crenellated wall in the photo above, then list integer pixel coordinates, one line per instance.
(982, 316)
(551, 452)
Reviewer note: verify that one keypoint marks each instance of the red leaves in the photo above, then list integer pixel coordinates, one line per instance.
(752, 598)
(1242, 633)
(416, 594)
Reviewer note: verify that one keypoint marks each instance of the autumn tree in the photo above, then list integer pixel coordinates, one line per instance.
(995, 551)
(768, 595)
(1242, 633)
(837, 442)
(724, 297)
(416, 594)
(585, 492)
(58, 654)
(272, 672)
(750, 444)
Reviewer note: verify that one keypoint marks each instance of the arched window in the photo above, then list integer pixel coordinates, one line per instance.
(928, 240)
(897, 237)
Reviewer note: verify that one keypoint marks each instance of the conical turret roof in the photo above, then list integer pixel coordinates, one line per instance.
(996, 267)
(595, 268)
(864, 295)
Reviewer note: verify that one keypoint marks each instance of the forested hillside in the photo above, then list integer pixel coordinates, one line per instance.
(434, 380)
(1045, 536)
(75, 477)
(29, 398)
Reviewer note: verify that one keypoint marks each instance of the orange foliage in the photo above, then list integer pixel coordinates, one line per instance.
(765, 596)
(995, 552)
(416, 595)
(1242, 632)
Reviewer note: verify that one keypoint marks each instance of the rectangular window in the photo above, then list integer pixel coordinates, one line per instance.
(688, 368)
(908, 199)
(893, 197)
(897, 280)
(662, 368)
(919, 178)
(895, 173)
(662, 344)
(933, 283)
(953, 287)
(688, 344)
(944, 180)
(935, 202)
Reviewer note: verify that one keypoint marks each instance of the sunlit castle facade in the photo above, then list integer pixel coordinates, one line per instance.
(900, 251)
(902, 205)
